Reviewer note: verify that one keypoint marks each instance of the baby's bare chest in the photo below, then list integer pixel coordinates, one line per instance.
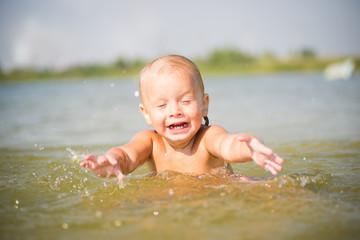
(195, 162)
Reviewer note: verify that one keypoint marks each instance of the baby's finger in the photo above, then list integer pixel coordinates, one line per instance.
(102, 159)
(259, 147)
(278, 159)
(274, 165)
(271, 169)
(90, 157)
(118, 173)
(87, 164)
(111, 159)
(255, 143)
(83, 164)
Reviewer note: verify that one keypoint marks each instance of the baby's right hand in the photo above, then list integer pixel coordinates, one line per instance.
(103, 166)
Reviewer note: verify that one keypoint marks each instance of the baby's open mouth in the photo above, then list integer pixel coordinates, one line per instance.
(178, 125)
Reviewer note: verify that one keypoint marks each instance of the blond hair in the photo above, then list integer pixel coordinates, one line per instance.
(174, 64)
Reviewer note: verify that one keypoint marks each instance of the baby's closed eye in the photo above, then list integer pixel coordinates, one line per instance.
(185, 101)
(161, 105)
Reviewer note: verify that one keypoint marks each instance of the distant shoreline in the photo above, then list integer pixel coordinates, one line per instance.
(219, 62)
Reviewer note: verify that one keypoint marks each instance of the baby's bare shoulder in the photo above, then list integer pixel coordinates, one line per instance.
(145, 136)
(211, 137)
(213, 130)
(146, 133)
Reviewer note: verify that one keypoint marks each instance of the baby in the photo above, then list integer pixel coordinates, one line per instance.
(174, 103)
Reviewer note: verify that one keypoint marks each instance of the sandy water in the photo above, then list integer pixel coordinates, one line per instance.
(46, 128)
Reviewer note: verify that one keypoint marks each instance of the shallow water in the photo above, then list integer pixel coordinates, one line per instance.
(46, 128)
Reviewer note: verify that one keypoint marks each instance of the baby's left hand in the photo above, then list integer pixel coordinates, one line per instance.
(261, 154)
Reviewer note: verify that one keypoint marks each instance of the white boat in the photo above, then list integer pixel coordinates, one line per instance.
(339, 71)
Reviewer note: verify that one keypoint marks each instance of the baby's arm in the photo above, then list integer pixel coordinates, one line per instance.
(121, 160)
(241, 148)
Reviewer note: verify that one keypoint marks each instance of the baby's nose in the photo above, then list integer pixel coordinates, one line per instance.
(175, 110)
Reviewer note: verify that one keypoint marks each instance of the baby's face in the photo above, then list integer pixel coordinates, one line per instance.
(174, 105)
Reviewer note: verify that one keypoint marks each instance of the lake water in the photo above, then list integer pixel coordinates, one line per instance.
(47, 127)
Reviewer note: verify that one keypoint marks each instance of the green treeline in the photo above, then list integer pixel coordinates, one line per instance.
(219, 61)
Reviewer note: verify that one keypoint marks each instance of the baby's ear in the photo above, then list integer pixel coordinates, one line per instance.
(145, 114)
(205, 105)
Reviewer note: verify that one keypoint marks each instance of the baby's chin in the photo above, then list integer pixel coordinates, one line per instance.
(179, 140)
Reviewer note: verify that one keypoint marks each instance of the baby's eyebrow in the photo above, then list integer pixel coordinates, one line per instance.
(188, 95)
(188, 92)
(155, 100)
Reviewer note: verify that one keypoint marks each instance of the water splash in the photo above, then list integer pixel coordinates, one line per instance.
(75, 157)
(39, 146)
(314, 181)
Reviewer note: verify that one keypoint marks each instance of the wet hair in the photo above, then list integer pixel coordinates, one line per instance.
(206, 121)
(174, 64)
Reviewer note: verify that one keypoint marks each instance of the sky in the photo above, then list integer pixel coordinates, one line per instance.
(60, 33)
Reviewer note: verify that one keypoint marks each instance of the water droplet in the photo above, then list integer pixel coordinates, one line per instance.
(117, 223)
(65, 226)
(39, 146)
(121, 184)
(304, 181)
(137, 94)
(98, 214)
(171, 191)
(156, 213)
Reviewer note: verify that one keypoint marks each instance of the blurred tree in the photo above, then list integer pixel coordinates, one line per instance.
(138, 63)
(306, 53)
(1, 70)
(269, 56)
(229, 56)
(121, 63)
